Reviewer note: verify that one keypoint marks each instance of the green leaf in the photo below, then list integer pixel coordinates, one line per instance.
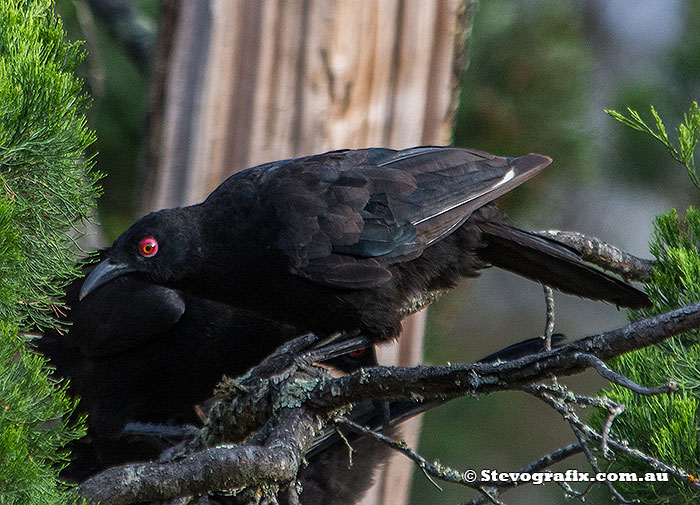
(47, 192)
(688, 134)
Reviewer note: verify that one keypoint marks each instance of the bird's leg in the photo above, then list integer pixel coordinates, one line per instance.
(339, 353)
(282, 359)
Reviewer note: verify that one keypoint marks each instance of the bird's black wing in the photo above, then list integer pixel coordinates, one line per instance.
(121, 314)
(341, 218)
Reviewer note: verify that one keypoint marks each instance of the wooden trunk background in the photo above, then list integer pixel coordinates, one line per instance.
(242, 82)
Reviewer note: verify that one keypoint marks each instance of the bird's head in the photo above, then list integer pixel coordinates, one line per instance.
(160, 246)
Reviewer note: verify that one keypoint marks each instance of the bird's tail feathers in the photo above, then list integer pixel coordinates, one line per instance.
(553, 264)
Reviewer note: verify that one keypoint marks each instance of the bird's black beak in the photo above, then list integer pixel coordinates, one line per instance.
(103, 273)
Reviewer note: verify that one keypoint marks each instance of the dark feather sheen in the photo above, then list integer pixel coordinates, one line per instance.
(342, 241)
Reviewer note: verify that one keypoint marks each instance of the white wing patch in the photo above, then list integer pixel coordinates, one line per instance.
(506, 177)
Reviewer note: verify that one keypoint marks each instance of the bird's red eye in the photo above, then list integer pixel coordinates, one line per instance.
(358, 352)
(148, 247)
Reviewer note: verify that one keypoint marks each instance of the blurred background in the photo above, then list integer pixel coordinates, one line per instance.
(539, 75)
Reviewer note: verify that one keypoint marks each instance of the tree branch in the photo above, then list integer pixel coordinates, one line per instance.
(223, 467)
(441, 382)
(606, 256)
(299, 399)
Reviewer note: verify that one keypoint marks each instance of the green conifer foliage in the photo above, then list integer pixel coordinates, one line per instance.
(47, 190)
(33, 427)
(665, 427)
(43, 174)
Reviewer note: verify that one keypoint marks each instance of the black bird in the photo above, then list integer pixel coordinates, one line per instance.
(139, 352)
(142, 353)
(350, 240)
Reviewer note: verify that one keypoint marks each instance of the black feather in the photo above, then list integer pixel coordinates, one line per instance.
(342, 241)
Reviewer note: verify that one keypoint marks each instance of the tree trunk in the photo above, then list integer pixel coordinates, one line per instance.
(238, 83)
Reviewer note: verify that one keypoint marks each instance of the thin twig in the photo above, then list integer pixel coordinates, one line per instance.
(621, 380)
(450, 475)
(582, 434)
(677, 472)
(441, 472)
(491, 497)
(535, 466)
(549, 326)
(607, 426)
(614, 409)
(347, 444)
(432, 481)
